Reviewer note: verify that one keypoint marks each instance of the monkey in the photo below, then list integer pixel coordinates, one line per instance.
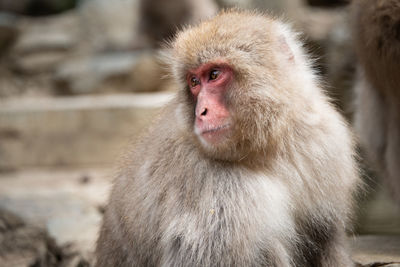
(249, 164)
(376, 28)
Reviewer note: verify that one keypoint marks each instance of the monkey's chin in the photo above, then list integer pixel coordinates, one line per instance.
(214, 136)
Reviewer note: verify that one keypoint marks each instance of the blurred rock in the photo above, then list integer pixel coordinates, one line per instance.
(327, 39)
(340, 64)
(109, 25)
(40, 39)
(315, 22)
(318, 23)
(59, 214)
(8, 31)
(86, 51)
(112, 72)
(59, 203)
(72, 131)
(160, 19)
(378, 214)
(201, 10)
(44, 43)
(38, 62)
(16, 84)
(287, 8)
(92, 74)
(371, 250)
(25, 245)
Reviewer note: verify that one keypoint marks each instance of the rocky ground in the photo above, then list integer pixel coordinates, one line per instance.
(51, 217)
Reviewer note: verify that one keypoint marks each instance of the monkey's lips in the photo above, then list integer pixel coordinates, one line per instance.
(214, 134)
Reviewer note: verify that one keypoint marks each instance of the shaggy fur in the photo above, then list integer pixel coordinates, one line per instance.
(277, 193)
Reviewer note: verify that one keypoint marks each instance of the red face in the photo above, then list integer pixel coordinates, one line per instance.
(208, 85)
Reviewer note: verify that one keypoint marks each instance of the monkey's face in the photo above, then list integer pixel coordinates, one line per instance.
(226, 113)
(208, 86)
(233, 82)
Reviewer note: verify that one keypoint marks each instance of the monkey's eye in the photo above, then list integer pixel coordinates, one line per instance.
(214, 74)
(194, 81)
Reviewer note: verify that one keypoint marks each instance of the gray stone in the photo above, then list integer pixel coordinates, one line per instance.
(58, 202)
(378, 213)
(159, 19)
(340, 62)
(109, 24)
(278, 7)
(113, 72)
(317, 23)
(66, 218)
(20, 245)
(41, 39)
(92, 74)
(72, 131)
(45, 42)
(25, 245)
(38, 62)
(370, 249)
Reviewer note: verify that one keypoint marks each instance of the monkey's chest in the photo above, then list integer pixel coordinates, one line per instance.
(232, 222)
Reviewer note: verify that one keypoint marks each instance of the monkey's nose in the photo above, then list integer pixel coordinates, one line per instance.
(201, 112)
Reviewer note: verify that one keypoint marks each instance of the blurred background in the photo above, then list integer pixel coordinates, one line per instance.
(80, 78)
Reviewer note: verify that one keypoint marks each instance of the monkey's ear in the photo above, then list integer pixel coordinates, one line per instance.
(285, 48)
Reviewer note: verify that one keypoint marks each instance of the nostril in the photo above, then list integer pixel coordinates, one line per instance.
(204, 112)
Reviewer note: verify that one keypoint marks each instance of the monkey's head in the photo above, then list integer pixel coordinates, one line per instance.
(237, 72)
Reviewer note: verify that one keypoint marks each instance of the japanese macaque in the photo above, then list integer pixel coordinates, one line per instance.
(377, 112)
(249, 165)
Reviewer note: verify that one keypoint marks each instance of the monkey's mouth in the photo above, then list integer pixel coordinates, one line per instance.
(216, 129)
(214, 135)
